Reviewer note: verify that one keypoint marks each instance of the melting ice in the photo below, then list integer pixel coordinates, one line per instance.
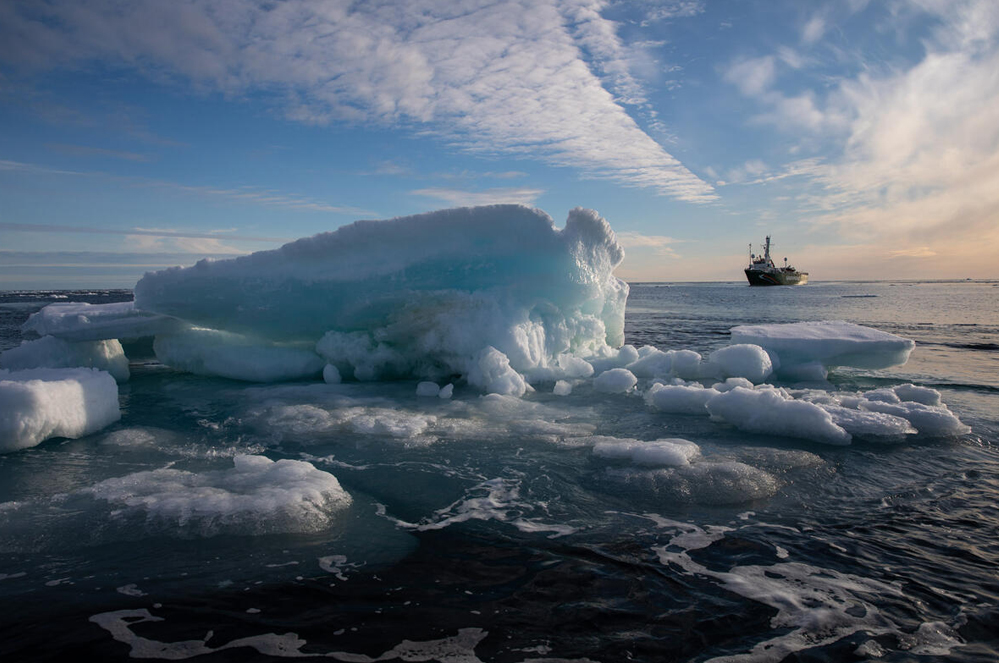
(488, 329)
(496, 298)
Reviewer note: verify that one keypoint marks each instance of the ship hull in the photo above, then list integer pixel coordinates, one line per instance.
(776, 277)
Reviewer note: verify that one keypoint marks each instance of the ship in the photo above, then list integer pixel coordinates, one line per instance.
(763, 271)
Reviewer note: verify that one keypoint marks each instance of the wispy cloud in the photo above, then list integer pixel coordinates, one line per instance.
(463, 198)
(497, 77)
(659, 244)
(132, 232)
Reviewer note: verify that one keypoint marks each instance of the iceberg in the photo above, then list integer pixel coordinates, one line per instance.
(42, 403)
(805, 350)
(488, 293)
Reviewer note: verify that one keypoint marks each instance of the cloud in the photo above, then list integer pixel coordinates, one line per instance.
(462, 198)
(659, 244)
(912, 169)
(494, 77)
(813, 30)
(132, 232)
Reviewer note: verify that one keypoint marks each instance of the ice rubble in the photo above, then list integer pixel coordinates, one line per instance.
(43, 403)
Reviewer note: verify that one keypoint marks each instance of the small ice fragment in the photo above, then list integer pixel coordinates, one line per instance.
(615, 381)
(429, 389)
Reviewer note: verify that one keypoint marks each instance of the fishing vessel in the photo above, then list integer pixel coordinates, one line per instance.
(763, 271)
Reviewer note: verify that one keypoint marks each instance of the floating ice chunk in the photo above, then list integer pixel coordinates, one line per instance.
(256, 496)
(667, 452)
(562, 388)
(651, 363)
(702, 482)
(43, 403)
(426, 293)
(686, 364)
(331, 375)
(446, 391)
(227, 355)
(679, 399)
(615, 381)
(774, 411)
(924, 395)
(934, 421)
(428, 389)
(831, 343)
(491, 372)
(741, 360)
(95, 322)
(52, 352)
(876, 426)
(613, 358)
(732, 383)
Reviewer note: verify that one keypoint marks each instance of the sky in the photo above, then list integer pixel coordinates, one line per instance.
(862, 135)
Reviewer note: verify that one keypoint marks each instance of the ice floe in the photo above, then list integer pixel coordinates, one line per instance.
(256, 496)
(43, 403)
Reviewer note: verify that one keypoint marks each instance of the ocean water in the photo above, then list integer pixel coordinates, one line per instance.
(487, 529)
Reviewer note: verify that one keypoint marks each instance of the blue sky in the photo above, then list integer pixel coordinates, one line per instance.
(862, 135)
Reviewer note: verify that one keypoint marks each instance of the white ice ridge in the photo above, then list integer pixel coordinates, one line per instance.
(806, 349)
(884, 415)
(43, 403)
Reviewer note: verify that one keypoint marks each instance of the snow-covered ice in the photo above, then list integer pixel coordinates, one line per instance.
(801, 348)
(53, 352)
(42, 403)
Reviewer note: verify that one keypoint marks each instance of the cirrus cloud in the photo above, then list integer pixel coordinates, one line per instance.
(502, 77)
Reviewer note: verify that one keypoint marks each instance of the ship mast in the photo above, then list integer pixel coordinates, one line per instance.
(766, 250)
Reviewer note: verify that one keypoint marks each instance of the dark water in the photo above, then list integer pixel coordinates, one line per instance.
(484, 529)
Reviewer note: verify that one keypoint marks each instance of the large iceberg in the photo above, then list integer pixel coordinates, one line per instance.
(497, 295)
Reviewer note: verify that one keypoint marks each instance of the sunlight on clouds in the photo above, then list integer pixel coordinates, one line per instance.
(153, 243)
(496, 77)
(918, 166)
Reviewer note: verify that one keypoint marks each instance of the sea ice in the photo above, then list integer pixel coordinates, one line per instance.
(680, 398)
(43, 403)
(94, 322)
(615, 381)
(774, 411)
(667, 452)
(256, 496)
(801, 346)
(742, 360)
(52, 352)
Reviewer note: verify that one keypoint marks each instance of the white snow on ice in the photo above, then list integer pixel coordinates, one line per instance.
(42, 403)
